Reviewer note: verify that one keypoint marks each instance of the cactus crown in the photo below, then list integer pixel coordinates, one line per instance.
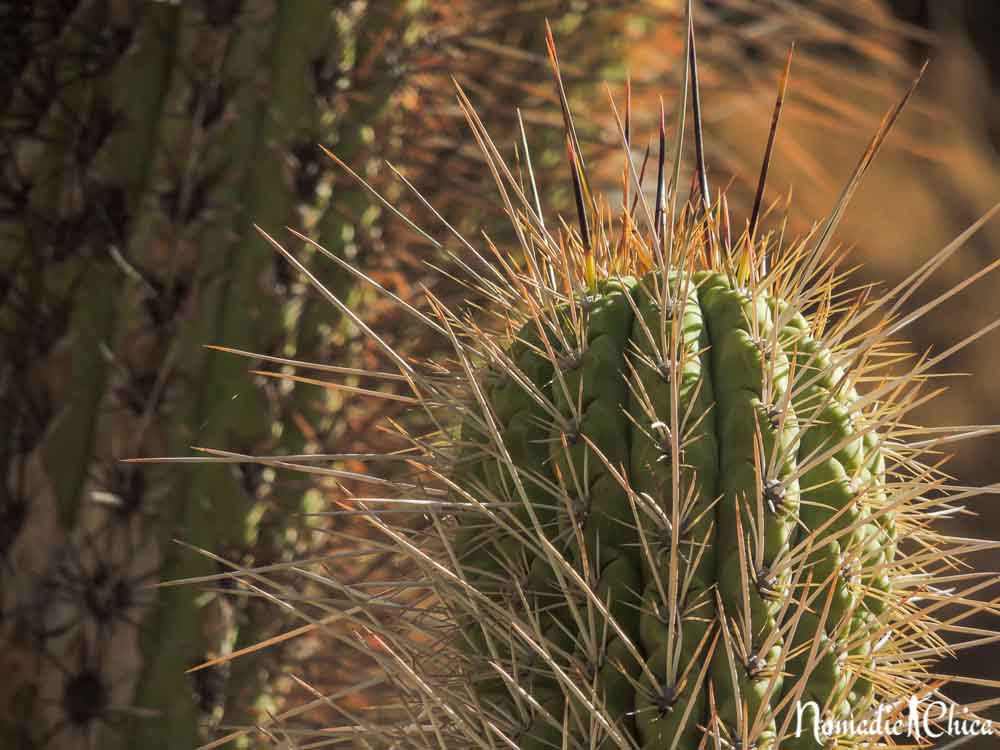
(670, 492)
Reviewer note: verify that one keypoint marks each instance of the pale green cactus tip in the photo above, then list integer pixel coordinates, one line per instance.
(671, 495)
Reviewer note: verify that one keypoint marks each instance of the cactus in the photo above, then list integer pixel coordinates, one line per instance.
(182, 92)
(664, 496)
(140, 139)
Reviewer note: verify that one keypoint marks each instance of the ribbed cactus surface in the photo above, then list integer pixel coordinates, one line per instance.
(688, 445)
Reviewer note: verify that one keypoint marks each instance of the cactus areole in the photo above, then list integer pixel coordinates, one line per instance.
(668, 494)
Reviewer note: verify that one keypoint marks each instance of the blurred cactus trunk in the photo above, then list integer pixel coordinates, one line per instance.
(142, 141)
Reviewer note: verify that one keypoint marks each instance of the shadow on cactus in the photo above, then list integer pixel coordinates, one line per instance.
(669, 494)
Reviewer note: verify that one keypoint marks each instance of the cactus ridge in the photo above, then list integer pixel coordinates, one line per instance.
(662, 444)
(668, 492)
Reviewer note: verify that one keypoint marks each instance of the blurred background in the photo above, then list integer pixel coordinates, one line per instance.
(141, 141)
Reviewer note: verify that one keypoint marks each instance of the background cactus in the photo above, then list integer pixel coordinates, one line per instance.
(135, 136)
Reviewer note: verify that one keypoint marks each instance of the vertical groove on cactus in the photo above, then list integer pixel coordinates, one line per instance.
(140, 104)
